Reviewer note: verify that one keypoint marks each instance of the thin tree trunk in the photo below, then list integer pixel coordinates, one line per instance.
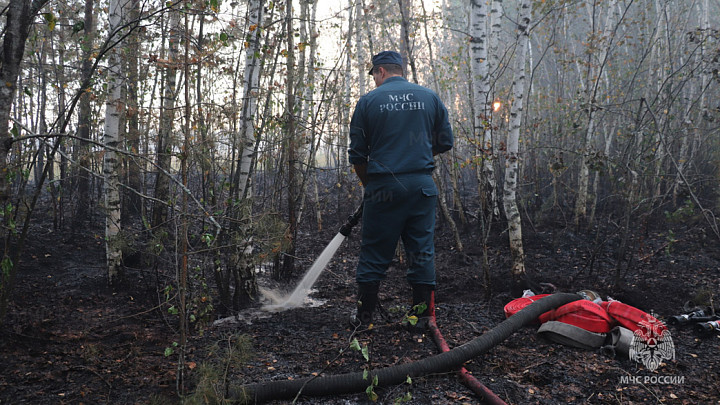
(82, 147)
(15, 32)
(183, 248)
(58, 187)
(291, 150)
(512, 161)
(480, 80)
(207, 143)
(490, 157)
(165, 131)
(132, 203)
(114, 109)
(405, 29)
(306, 81)
(243, 264)
(595, 72)
(663, 67)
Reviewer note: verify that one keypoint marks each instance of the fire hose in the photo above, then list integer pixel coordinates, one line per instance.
(389, 376)
(468, 379)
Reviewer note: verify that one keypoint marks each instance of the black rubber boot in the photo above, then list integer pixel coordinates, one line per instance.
(367, 300)
(423, 306)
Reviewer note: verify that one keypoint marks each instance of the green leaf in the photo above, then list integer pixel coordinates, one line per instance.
(51, 20)
(223, 36)
(371, 393)
(169, 351)
(412, 320)
(408, 380)
(365, 374)
(14, 131)
(366, 353)
(6, 266)
(375, 380)
(355, 344)
(207, 238)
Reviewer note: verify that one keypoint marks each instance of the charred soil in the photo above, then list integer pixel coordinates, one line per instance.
(69, 338)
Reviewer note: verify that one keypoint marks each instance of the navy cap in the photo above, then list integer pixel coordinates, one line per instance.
(385, 58)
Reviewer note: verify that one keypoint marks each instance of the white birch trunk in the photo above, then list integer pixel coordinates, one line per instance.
(496, 16)
(512, 161)
(245, 282)
(705, 75)
(251, 80)
(481, 100)
(114, 108)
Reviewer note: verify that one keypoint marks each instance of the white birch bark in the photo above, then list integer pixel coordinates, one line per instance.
(496, 16)
(481, 100)
(512, 161)
(251, 80)
(244, 274)
(114, 108)
(705, 75)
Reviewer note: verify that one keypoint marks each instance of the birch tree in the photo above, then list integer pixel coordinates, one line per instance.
(480, 78)
(512, 160)
(112, 138)
(243, 263)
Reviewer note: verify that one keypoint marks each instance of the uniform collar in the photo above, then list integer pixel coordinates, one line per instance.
(394, 79)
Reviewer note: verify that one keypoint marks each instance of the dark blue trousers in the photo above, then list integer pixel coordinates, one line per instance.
(398, 206)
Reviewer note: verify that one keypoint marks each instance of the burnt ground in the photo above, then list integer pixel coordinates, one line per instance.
(68, 338)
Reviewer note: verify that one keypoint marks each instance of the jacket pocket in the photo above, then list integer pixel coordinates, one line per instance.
(430, 191)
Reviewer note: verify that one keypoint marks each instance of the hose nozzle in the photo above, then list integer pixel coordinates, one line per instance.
(352, 221)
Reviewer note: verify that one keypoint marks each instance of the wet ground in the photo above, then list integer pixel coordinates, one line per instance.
(68, 338)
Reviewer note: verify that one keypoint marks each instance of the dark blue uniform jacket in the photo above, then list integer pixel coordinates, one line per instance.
(396, 128)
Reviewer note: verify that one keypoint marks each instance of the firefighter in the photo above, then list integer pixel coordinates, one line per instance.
(395, 131)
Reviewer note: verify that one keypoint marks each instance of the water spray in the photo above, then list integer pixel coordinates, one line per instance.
(297, 297)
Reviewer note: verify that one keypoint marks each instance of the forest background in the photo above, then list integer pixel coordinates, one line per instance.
(208, 136)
